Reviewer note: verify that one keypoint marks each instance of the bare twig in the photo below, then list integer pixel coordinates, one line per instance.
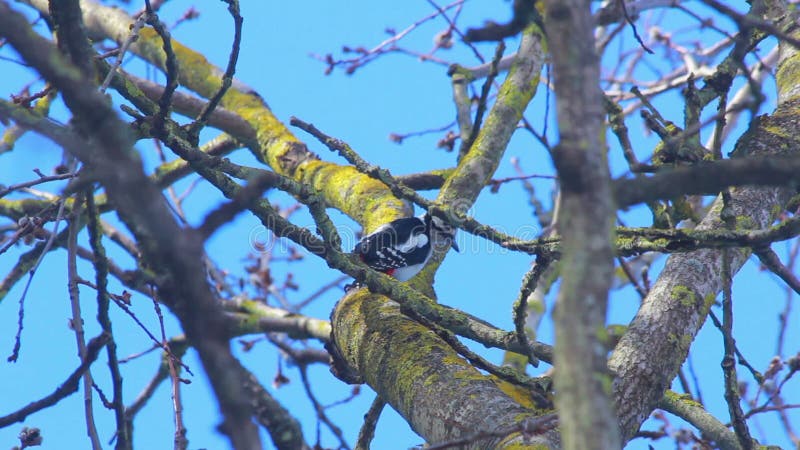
(134, 33)
(320, 410)
(65, 389)
(631, 277)
(323, 289)
(77, 320)
(629, 19)
(367, 431)
(771, 261)
(178, 346)
(227, 77)
(21, 314)
(170, 64)
(101, 278)
(9, 189)
(520, 311)
(181, 443)
(783, 317)
(367, 55)
(466, 144)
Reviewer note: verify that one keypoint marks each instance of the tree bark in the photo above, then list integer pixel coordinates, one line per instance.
(585, 222)
(657, 341)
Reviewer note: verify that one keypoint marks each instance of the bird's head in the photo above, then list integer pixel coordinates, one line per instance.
(442, 228)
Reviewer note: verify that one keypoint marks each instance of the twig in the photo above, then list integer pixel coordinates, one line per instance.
(631, 277)
(763, 409)
(367, 55)
(299, 306)
(520, 311)
(633, 27)
(178, 346)
(170, 64)
(542, 216)
(399, 138)
(616, 121)
(496, 183)
(181, 443)
(719, 126)
(119, 300)
(749, 21)
(487, 85)
(103, 318)
(783, 317)
(732, 396)
(40, 180)
(25, 226)
(361, 164)
(240, 202)
(321, 416)
(685, 383)
(367, 431)
(77, 319)
(770, 260)
(134, 33)
(21, 314)
(353, 392)
(227, 77)
(693, 373)
(65, 389)
(739, 357)
(451, 27)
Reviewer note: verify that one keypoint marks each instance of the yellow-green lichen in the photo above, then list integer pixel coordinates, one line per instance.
(517, 393)
(685, 399)
(708, 302)
(744, 223)
(685, 296)
(672, 338)
(788, 74)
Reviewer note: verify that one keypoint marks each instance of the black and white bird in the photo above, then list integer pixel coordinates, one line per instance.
(401, 247)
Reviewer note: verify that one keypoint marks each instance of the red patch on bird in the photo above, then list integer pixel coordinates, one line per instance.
(390, 272)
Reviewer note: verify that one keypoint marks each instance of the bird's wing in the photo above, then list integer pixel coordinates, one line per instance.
(379, 249)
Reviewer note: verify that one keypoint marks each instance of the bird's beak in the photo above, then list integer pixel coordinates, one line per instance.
(454, 245)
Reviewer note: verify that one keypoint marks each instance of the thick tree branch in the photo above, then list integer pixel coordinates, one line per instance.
(586, 219)
(709, 178)
(476, 168)
(421, 384)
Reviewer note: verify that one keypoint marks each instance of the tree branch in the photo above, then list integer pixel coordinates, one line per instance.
(586, 221)
(67, 388)
(709, 178)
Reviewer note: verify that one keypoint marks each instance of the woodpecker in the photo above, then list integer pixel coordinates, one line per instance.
(401, 247)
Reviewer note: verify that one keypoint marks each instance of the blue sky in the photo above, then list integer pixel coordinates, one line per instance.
(394, 94)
